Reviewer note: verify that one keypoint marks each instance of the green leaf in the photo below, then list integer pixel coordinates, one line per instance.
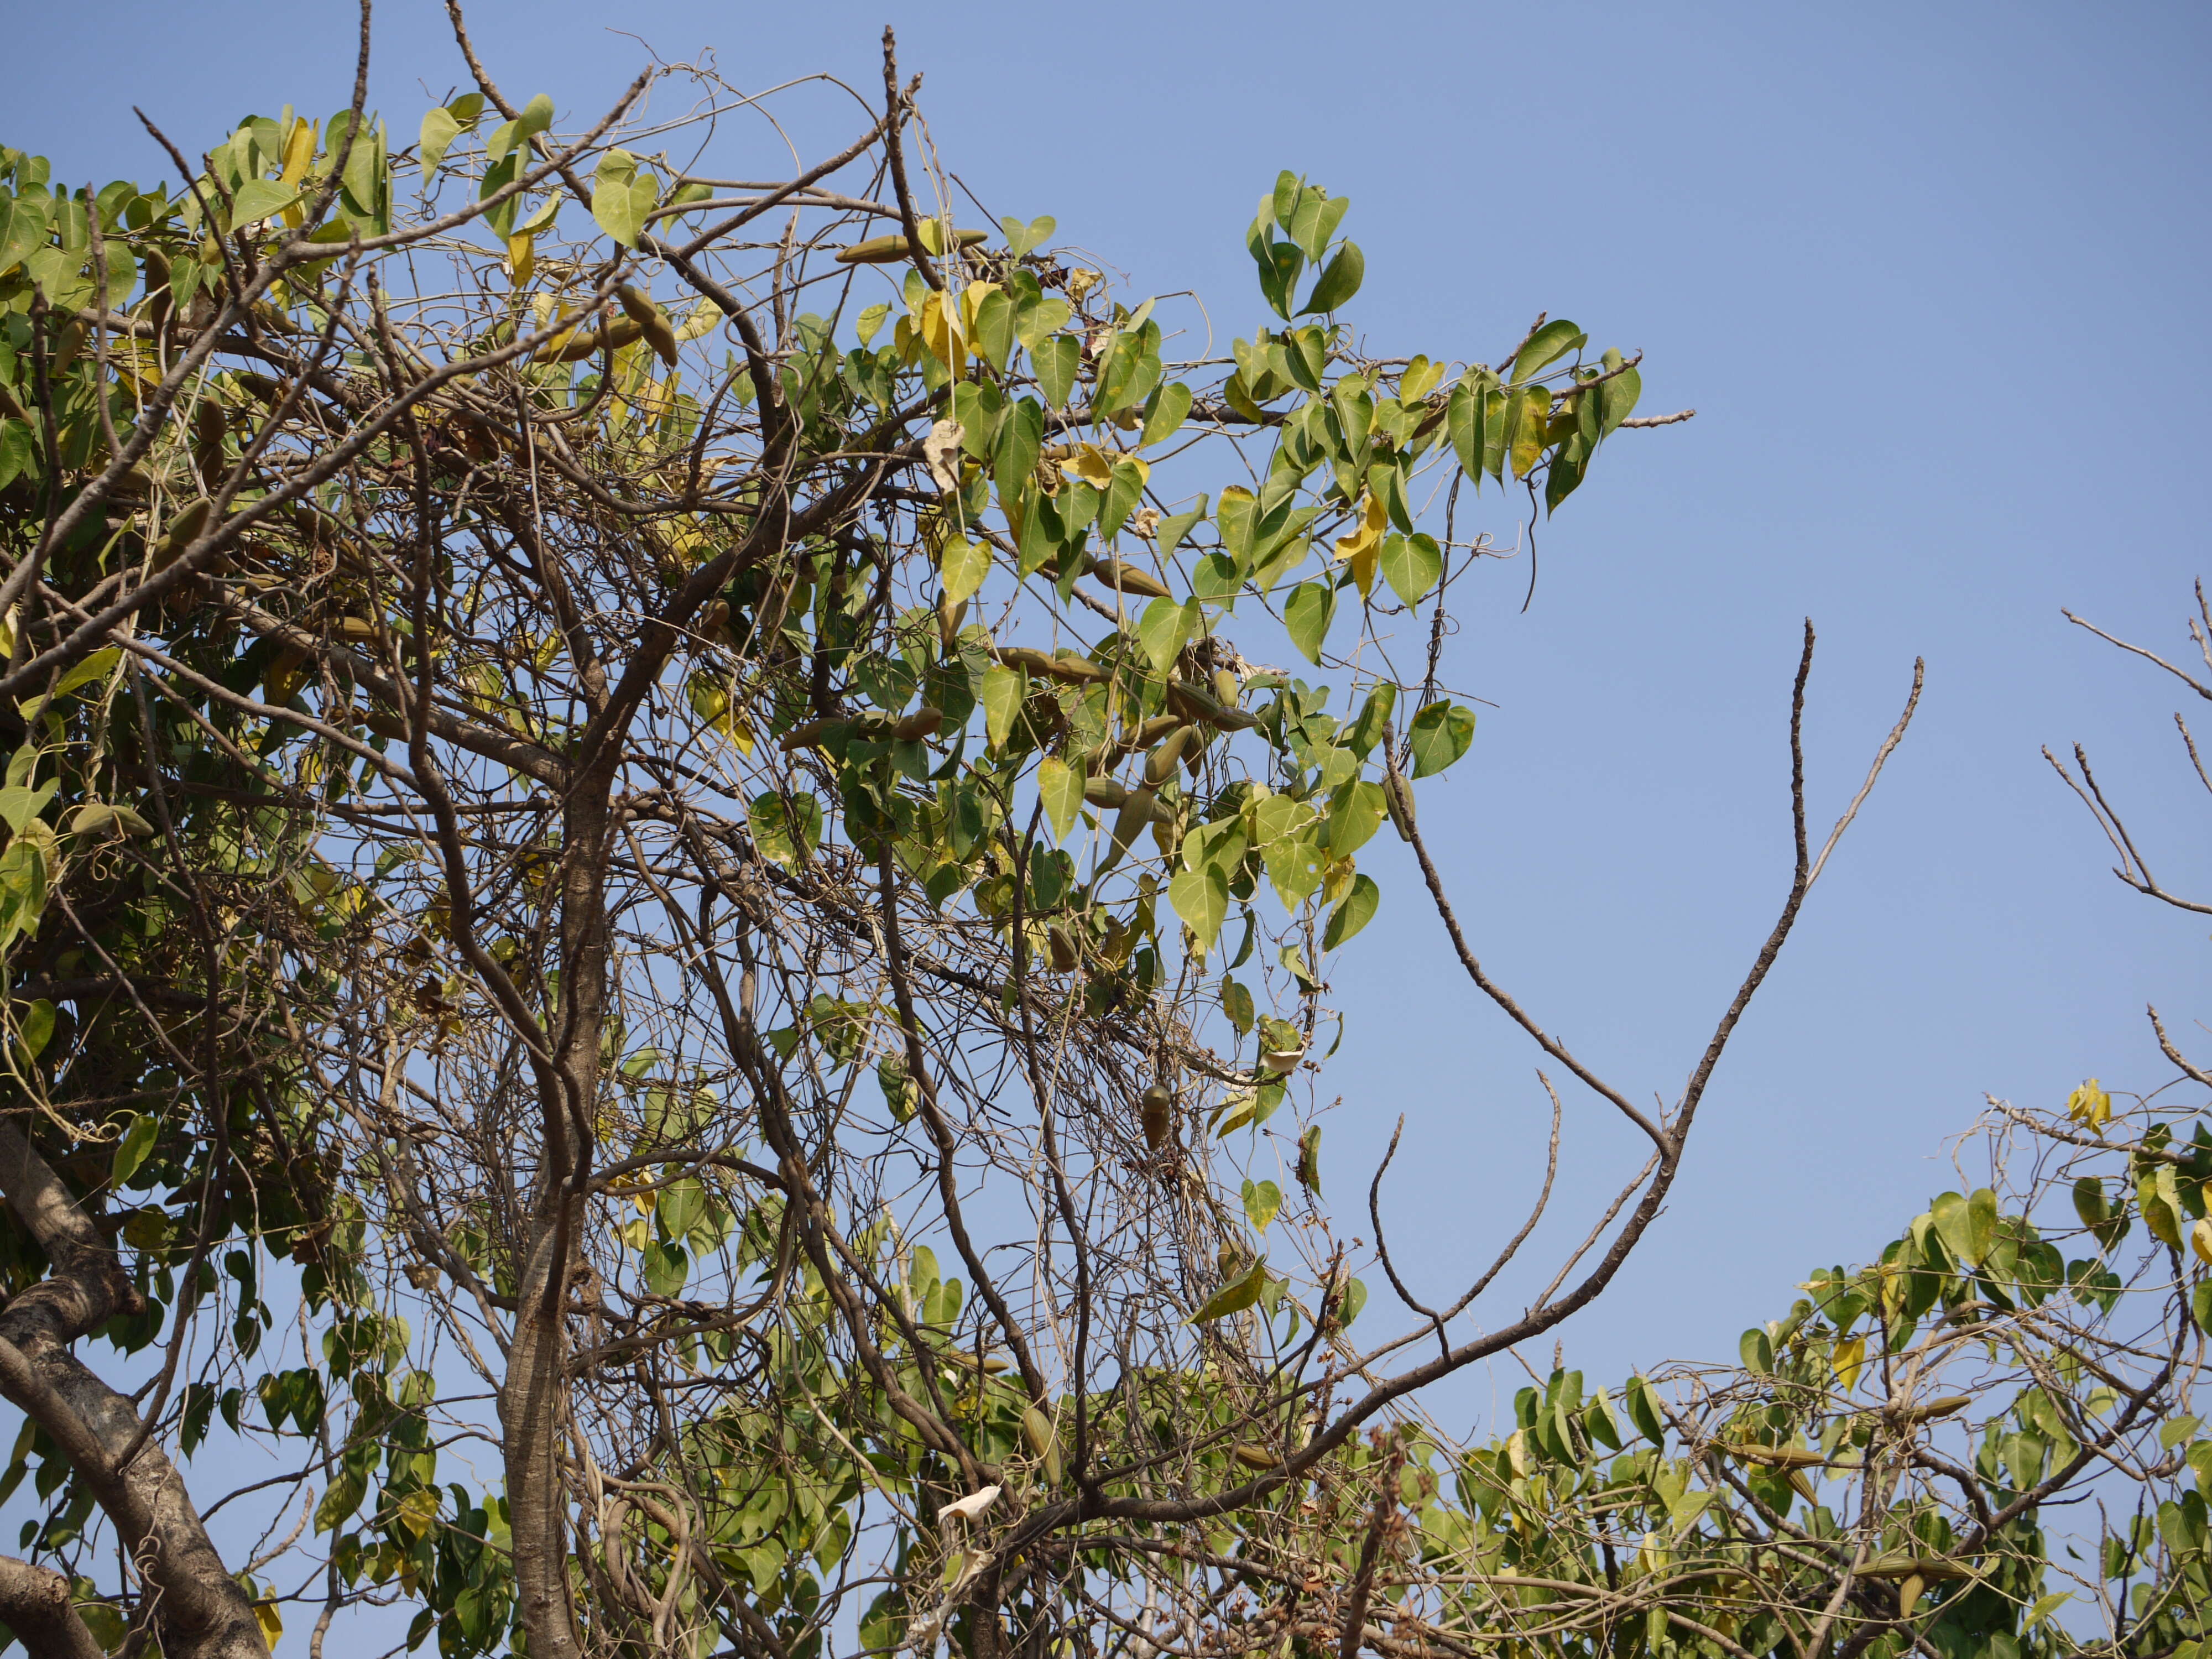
(337, 1505)
(1411, 565)
(1038, 321)
(439, 129)
(1757, 1349)
(1599, 1422)
(1372, 723)
(1059, 786)
(1280, 266)
(785, 834)
(1313, 225)
(25, 233)
(95, 666)
(994, 329)
(1355, 812)
(1056, 361)
(666, 1268)
(1307, 615)
(681, 1203)
(1021, 238)
(38, 1028)
(18, 448)
(1982, 1221)
(1339, 282)
(1200, 897)
(131, 1151)
(1234, 1296)
(1643, 1410)
(1172, 529)
(1355, 1298)
(1165, 414)
(2043, 1607)
(622, 195)
(1954, 1227)
(1001, 694)
(1441, 734)
(1547, 346)
(257, 199)
(1166, 627)
(1294, 867)
(1236, 1003)
(1355, 911)
(964, 565)
(1617, 400)
(19, 804)
(1262, 1199)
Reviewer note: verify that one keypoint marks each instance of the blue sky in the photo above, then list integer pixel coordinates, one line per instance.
(1928, 274)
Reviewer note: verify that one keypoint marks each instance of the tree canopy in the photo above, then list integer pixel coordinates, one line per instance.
(667, 950)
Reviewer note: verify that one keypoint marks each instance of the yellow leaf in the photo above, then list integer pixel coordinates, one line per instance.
(972, 298)
(271, 1622)
(2200, 1240)
(701, 322)
(1847, 1359)
(1363, 548)
(941, 334)
(2089, 1104)
(298, 150)
(521, 258)
(1089, 464)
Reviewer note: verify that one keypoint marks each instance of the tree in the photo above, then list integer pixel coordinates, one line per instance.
(634, 825)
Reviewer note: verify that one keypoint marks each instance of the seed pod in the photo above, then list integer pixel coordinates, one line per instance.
(1064, 956)
(813, 734)
(357, 630)
(1398, 796)
(67, 344)
(1136, 812)
(888, 250)
(948, 622)
(1255, 1457)
(1076, 669)
(580, 341)
(922, 723)
(183, 530)
(1147, 734)
(1160, 764)
(1158, 1115)
(1932, 1409)
(713, 620)
(1105, 792)
(1228, 690)
(650, 322)
(1036, 1429)
(207, 441)
(1119, 573)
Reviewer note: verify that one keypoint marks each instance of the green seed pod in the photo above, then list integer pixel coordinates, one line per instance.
(1160, 764)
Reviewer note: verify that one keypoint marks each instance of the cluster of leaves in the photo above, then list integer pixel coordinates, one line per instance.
(526, 701)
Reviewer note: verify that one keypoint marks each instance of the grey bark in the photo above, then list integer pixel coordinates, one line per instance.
(199, 1610)
(36, 1609)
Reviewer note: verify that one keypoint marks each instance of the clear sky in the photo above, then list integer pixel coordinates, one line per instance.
(1928, 273)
